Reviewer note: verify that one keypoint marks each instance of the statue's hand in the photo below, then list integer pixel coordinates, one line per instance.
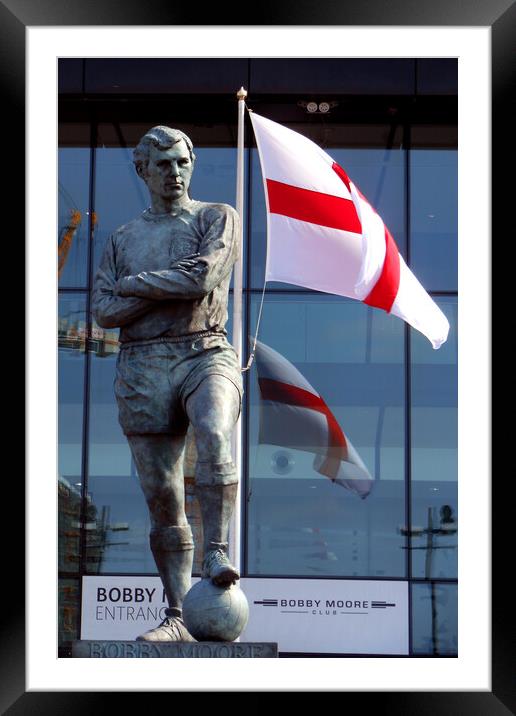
(116, 288)
(185, 262)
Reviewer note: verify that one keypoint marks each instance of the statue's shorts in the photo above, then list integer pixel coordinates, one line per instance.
(154, 379)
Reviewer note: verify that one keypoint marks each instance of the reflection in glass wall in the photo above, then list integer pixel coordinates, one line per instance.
(71, 364)
(112, 483)
(71, 343)
(434, 619)
(68, 611)
(434, 452)
(300, 521)
(120, 195)
(433, 217)
(73, 208)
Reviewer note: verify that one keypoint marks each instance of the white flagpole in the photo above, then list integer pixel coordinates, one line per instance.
(234, 545)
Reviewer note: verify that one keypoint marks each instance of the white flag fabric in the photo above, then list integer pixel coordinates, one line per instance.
(294, 415)
(324, 235)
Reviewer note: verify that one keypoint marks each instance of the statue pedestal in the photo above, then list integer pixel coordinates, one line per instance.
(88, 649)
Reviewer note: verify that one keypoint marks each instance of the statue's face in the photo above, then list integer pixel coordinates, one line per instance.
(169, 171)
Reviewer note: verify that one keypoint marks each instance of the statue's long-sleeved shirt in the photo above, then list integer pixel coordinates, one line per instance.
(138, 288)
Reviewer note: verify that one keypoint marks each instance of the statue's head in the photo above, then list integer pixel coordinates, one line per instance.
(164, 159)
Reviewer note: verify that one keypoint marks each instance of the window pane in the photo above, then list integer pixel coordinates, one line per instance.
(434, 452)
(434, 619)
(120, 195)
(71, 363)
(73, 207)
(300, 522)
(378, 173)
(113, 487)
(433, 210)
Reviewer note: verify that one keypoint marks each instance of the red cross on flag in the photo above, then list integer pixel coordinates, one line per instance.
(294, 415)
(323, 234)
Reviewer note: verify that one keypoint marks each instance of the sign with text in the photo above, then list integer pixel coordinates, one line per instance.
(319, 616)
(121, 607)
(329, 616)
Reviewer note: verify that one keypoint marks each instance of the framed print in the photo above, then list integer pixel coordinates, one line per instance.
(125, 37)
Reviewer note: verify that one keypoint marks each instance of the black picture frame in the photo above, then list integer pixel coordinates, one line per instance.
(500, 16)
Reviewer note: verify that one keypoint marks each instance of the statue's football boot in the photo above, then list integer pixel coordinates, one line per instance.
(217, 567)
(172, 628)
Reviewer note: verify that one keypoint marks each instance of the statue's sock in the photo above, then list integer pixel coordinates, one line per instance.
(172, 547)
(217, 506)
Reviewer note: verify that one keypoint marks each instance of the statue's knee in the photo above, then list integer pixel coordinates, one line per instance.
(213, 444)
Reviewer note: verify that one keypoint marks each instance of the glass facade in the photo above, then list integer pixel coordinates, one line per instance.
(434, 619)
(354, 358)
(74, 178)
(394, 397)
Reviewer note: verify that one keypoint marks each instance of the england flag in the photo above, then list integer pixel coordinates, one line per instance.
(323, 234)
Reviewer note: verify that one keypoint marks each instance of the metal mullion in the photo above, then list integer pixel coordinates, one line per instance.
(436, 580)
(443, 293)
(408, 396)
(87, 367)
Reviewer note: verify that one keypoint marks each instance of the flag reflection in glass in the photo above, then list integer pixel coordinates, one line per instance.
(294, 415)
